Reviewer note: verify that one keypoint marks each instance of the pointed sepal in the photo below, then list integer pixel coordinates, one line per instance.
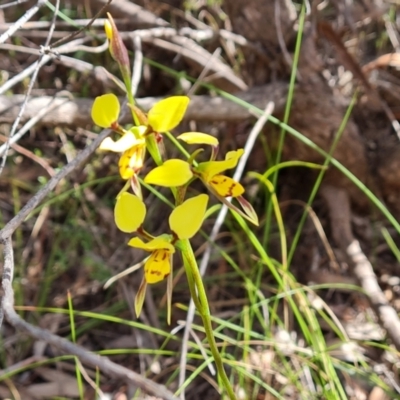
(140, 296)
(248, 209)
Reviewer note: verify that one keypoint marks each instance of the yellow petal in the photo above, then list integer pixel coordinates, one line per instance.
(167, 113)
(124, 143)
(158, 266)
(131, 161)
(105, 110)
(225, 186)
(198, 138)
(129, 212)
(172, 173)
(187, 218)
(209, 169)
(158, 243)
(108, 29)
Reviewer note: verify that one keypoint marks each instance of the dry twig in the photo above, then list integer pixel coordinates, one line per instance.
(26, 17)
(10, 31)
(124, 8)
(76, 112)
(340, 214)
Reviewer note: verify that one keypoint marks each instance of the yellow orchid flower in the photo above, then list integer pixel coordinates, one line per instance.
(210, 173)
(174, 173)
(132, 145)
(163, 116)
(224, 186)
(184, 222)
(158, 265)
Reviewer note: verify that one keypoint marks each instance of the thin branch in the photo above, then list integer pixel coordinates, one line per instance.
(279, 34)
(30, 87)
(76, 33)
(205, 71)
(26, 17)
(127, 9)
(27, 153)
(365, 274)
(64, 49)
(52, 24)
(13, 3)
(33, 25)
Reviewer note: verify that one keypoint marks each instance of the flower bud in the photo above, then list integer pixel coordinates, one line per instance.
(117, 48)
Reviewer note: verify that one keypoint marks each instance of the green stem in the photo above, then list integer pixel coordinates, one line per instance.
(152, 148)
(126, 76)
(200, 300)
